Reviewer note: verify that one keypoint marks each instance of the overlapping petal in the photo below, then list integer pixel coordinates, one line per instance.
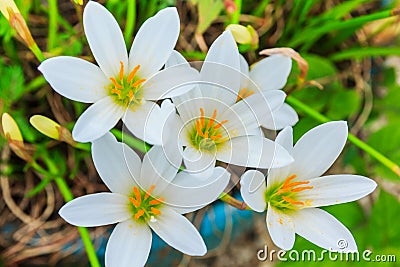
(284, 116)
(117, 164)
(178, 232)
(98, 119)
(252, 189)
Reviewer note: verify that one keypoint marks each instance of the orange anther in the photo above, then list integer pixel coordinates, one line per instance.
(138, 82)
(296, 184)
(121, 71)
(134, 202)
(155, 211)
(202, 116)
(287, 181)
(299, 189)
(116, 84)
(198, 129)
(130, 94)
(216, 137)
(220, 124)
(116, 91)
(206, 135)
(132, 74)
(137, 195)
(139, 214)
(291, 201)
(211, 121)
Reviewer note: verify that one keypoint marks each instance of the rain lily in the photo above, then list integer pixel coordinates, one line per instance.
(269, 74)
(145, 196)
(217, 127)
(121, 84)
(293, 193)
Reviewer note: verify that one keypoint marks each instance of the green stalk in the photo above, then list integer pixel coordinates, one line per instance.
(352, 138)
(37, 52)
(130, 21)
(236, 15)
(131, 141)
(53, 24)
(68, 196)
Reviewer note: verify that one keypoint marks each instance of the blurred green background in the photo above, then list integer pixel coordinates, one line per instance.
(353, 51)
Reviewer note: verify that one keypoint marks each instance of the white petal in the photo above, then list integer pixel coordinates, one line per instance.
(129, 245)
(254, 151)
(176, 59)
(278, 175)
(154, 42)
(96, 210)
(116, 164)
(198, 163)
(170, 82)
(250, 113)
(244, 70)
(98, 119)
(105, 38)
(158, 170)
(336, 189)
(317, 149)
(285, 139)
(280, 228)
(252, 189)
(324, 230)
(75, 78)
(178, 232)
(271, 72)
(280, 118)
(187, 192)
(221, 68)
(145, 122)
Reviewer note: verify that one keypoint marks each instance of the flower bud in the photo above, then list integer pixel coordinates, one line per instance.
(244, 35)
(46, 126)
(10, 128)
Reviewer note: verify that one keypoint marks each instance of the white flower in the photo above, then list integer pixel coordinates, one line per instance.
(269, 74)
(120, 84)
(144, 196)
(292, 193)
(217, 127)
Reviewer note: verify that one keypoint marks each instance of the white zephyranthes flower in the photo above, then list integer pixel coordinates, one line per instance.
(217, 127)
(293, 193)
(121, 84)
(144, 195)
(269, 74)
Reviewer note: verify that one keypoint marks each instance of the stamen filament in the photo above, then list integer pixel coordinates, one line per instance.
(138, 82)
(133, 73)
(121, 71)
(292, 201)
(116, 84)
(220, 124)
(299, 189)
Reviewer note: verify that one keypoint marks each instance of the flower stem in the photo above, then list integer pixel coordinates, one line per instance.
(352, 138)
(130, 21)
(131, 141)
(236, 15)
(53, 26)
(37, 52)
(68, 196)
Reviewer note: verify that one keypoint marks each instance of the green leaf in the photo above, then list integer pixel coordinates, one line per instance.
(208, 12)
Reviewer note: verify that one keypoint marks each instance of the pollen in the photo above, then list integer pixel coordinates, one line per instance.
(143, 205)
(126, 89)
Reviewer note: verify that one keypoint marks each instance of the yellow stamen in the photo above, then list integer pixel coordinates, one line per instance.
(292, 201)
(134, 202)
(139, 214)
(155, 211)
(220, 124)
(132, 74)
(202, 116)
(138, 82)
(116, 84)
(211, 121)
(299, 189)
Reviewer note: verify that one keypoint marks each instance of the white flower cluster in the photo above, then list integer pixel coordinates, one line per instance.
(207, 115)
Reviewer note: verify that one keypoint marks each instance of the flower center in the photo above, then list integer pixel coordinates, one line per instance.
(284, 196)
(144, 207)
(126, 90)
(243, 93)
(207, 133)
